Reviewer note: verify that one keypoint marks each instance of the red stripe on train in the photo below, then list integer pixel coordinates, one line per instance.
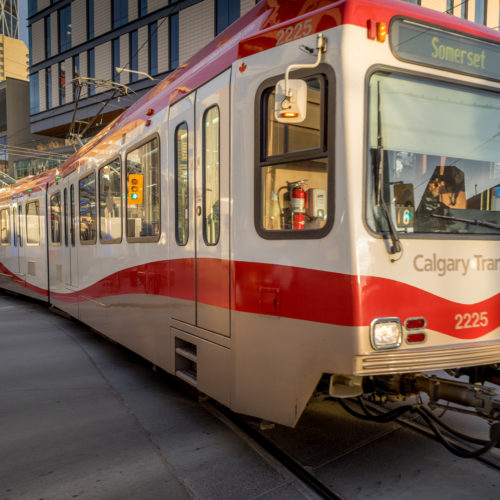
(292, 292)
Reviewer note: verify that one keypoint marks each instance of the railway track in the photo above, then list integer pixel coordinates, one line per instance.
(297, 450)
(249, 429)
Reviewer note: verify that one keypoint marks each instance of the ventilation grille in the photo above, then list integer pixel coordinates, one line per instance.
(186, 361)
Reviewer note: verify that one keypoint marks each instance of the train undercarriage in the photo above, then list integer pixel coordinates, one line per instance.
(472, 391)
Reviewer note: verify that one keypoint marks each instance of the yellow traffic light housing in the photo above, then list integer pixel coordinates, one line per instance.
(135, 189)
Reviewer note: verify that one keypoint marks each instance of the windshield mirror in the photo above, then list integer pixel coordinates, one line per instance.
(441, 146)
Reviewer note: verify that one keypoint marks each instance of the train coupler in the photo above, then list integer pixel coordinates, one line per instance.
(482, 399)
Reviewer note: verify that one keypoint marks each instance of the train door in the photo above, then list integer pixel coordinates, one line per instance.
(182, 282)
(212, 205)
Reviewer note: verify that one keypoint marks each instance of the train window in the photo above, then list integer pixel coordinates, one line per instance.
(88, 214)
(295, 160)
(4, 227)
(65, 217)
(211, 176)
(55, 218)
(439, 169)
(32, 224)
(19, 218)
(14, 225)
(110, 203)
(181, 185)
(72, 214)
(143, 194)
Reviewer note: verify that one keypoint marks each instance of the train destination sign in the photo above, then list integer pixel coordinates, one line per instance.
(434, 47)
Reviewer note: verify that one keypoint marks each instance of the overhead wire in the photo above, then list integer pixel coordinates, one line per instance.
(112, 97)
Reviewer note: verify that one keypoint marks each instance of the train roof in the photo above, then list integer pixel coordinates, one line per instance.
(254, 32)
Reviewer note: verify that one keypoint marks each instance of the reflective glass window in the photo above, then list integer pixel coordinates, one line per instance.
(211, 176)
(110, 203)
(88, 211)
(64, 28)
(143, 212)
(181, 185)
(294, 168)
(32, 224)
(55, 218)
(439, 168)
(4, 227)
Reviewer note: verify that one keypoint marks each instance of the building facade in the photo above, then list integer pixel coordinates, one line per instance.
(133, 43)
(9, 19)
(14, 91)
(486, 12)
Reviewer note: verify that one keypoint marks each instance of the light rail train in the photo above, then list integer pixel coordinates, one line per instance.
(314, 196)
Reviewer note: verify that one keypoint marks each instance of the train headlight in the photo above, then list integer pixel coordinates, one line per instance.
(386, 333)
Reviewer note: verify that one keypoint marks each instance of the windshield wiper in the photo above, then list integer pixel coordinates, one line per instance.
(475, 222)
(395, 246)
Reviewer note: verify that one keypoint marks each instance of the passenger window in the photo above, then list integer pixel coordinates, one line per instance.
(65, 217)
(211, 180)
(110, 203)
(143, 194)
(4, 227)
(293, 197)
(32, 224)
(19, 218)
(72, 214)
(55, 218)
(181, 185)
(88, 214)
(14, 225)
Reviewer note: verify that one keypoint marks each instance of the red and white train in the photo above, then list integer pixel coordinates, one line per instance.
(315, 195)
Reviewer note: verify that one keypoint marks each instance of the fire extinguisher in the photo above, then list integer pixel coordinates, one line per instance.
(293, 208)
(298, 206)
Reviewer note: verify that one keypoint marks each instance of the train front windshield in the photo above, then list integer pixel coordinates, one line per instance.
(434, 156)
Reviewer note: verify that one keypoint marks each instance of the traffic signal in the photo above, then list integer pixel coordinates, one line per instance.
(135, 189)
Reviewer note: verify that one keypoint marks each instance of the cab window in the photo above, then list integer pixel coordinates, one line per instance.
(294, 173)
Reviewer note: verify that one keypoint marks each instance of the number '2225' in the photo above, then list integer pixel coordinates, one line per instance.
(474, 320)
(294, 32)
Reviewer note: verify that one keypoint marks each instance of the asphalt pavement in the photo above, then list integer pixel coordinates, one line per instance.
(81, 417)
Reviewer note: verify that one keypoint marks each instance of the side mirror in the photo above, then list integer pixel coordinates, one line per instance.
(290, 103)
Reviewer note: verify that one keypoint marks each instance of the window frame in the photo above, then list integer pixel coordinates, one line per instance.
(137, 145)
(37, 204)
(93, 241)
(326, 150)
(98, 199)
(176, 191)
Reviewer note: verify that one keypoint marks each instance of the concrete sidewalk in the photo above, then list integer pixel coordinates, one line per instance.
(83, 418)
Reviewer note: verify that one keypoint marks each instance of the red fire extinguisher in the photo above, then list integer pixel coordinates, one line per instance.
(298, 206)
